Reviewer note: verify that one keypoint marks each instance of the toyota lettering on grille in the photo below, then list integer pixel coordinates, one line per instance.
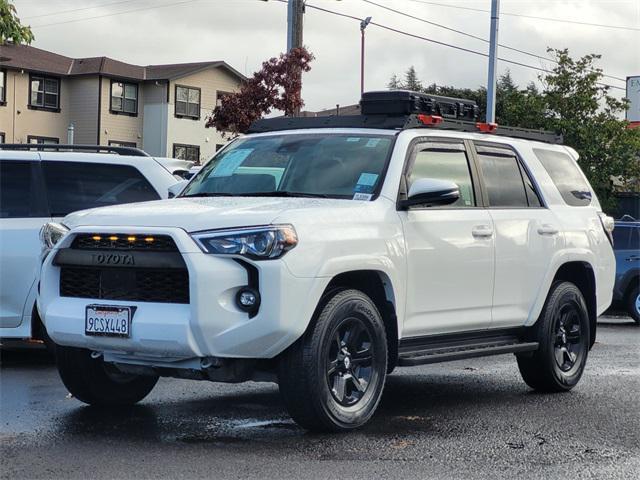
(112, 259)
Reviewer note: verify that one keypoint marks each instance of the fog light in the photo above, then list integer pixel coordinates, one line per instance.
(248, 299)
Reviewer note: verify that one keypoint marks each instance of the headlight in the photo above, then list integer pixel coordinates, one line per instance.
(51, 233)
(253, 242)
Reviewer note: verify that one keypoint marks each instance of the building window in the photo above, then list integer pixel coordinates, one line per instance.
(186, 152)
(1, 137)
(44, 92)
(187, 102)
(219, 96)
(3, 87)
(124, 98)
(118, 143)
(42, 140)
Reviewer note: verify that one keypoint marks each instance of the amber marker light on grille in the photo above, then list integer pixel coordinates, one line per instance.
(131, 239)
(113, 238)
(97, 238)
(149, 239)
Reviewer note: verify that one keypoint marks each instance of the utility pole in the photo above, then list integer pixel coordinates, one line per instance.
(493, 58)
(363, 26)
(295, 16)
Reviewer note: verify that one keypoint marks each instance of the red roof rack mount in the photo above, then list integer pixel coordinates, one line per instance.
(430, 119)
(487, 127)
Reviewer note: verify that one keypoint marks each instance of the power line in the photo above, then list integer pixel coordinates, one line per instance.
(619, 27)
(73, 10)
(437, 42)
(117, 13)
(540, 57)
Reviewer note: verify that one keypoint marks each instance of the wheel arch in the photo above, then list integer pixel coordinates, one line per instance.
(377, 285)
(582, 275)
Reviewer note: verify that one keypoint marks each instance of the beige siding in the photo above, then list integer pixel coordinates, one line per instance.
(193, 132)
(119, 127)
(18, 121)
(84, 109)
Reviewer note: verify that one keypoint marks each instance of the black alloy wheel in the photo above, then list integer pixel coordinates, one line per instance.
(331, 379)
(350, 361)
(569, 345)
(563, 334)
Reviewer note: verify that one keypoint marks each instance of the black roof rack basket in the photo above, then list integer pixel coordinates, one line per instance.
(399, 122)
(131, 151)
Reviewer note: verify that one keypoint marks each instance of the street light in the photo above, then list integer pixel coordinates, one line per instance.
(363, 26)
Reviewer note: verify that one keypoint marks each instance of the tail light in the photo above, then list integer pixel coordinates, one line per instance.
(608, 224)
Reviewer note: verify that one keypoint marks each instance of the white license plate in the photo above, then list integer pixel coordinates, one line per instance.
(112, 321)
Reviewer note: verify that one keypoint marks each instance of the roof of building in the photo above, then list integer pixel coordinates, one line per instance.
(24, 57)
(338, 110)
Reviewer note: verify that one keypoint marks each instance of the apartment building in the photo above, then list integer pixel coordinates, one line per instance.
(159, 108)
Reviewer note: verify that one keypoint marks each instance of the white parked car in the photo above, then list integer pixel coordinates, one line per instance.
(37, 187)
(321, 253)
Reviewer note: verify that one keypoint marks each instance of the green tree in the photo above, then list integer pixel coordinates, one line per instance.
(582, 109)
(573, 101)
(411, 81)
(11, 30)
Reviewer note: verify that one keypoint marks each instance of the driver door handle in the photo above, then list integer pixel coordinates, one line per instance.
(547, 229)
(482, 231)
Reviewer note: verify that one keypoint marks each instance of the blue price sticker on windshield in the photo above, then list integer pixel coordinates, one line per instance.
(231, 161)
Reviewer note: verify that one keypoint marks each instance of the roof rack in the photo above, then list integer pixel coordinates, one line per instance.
(131, 151)
(400, 122)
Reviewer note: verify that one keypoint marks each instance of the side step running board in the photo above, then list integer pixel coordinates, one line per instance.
(446, 348)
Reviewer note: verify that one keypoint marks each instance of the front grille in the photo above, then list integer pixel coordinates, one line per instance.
(124, 241)
(135, 284)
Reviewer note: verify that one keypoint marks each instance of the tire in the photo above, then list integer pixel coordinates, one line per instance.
(332, 378)
(93, 382)
(632, 303)
(563, 334)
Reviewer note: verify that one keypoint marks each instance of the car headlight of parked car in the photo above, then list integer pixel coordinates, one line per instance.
(258, 243)
(51, 233)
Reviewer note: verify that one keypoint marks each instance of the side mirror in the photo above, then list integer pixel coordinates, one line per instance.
(176, 188)
(431, 192)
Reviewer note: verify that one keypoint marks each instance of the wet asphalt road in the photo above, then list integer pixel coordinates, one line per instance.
(466, 419)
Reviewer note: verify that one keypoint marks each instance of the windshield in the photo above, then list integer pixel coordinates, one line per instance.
(315, 165)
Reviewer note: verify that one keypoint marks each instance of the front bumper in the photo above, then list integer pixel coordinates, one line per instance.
(211, 325)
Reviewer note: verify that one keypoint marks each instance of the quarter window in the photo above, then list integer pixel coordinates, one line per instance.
(187, 102)
(566, 176)
(445, 162)
(186, 152)
(503, 179)
(76, 185)
(45, 92)
(124, 98)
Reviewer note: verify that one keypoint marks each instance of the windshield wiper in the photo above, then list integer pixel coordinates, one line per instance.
(275, 193)
(209, 194)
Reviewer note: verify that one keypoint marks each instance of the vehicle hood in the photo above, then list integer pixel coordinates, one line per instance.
(195, 214)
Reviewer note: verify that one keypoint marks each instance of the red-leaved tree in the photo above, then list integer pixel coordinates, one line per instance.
(276, 86)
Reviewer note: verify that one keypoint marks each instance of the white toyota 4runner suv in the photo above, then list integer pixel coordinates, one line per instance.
(321, 253)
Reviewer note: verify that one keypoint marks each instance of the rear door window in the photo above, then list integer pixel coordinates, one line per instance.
(621, 238)
(20, 195)
(75, 186)
(566, 176)
(503, 179)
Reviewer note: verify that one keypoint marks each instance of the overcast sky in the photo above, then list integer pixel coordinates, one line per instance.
(246, 32)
